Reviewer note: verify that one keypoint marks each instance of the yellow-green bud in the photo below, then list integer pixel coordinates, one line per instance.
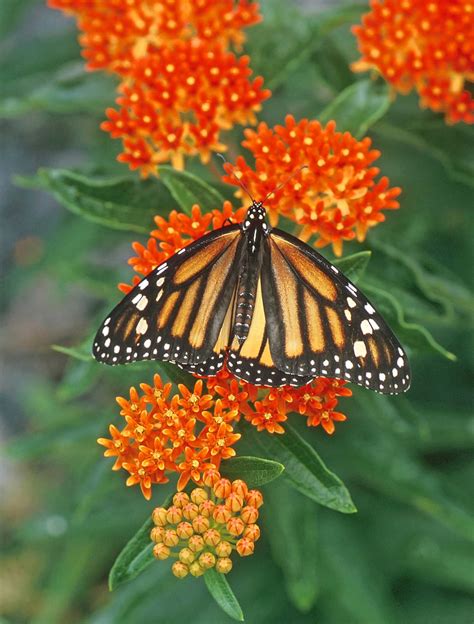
(224, 565)
(160, 551)
(179, 569)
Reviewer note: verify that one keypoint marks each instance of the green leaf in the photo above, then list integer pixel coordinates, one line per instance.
(70, 90)
(353, 580)
(304, 468)
(354, 266)
(445, 563)
(78, 353)
(187, 189)
(284, 41)
(11, 11)
(291, 549)
(382, 462)
(118, 202)
(136, 556)
(434, 282)
(358, 107)
(255, 471)
(333, 66)
(450, 145)
(19, 68)
(445, 430)
(220, 590)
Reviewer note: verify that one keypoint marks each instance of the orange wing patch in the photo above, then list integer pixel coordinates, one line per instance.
(315, 326)
(336, 327)
(204, 257)
(185, 311)
(288, 297)
(318, 280)
(214, 285)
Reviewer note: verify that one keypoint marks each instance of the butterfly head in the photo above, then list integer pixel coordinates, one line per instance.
(255, 218)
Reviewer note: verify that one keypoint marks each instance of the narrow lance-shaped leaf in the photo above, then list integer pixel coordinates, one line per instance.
(222, 593)
(354, 266)
(188, 189)
(136, 556)
(255, 471)
(304, 468)
(118, 202)
(358, 107)
(293, 531)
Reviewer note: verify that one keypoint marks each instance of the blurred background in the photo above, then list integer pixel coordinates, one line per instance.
(407, 556)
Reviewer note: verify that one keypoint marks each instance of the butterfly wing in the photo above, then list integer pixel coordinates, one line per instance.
(177, 312)
(252, 360)
(320, 324)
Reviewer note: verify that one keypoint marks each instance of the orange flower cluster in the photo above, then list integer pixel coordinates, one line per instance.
(205, 527)
(180, 85)
(165, 435)
(424, 45)
(316, 401)
(331, 191)
(192, 432)
(116, 33)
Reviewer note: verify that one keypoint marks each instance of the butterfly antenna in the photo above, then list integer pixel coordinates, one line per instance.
(238, 180)
(282, 184)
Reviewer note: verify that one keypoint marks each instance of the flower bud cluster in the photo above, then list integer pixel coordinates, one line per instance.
(203, 528)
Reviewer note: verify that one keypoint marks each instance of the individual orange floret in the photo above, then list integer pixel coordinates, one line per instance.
(317, 401)
(193, 400)
(194, 463)
(207, 541)
(267, 415)
(423, 45)
(331, 191)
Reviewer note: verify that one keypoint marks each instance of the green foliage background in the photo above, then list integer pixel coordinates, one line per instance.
(407, 555)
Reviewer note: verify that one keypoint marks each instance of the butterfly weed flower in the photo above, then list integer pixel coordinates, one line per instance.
(186, 433)
(203, 529)
(115, 34)
(427, 46)
(181, 85)
(332, 192)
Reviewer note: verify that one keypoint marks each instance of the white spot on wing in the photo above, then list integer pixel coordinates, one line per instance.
(143, 284)
(366, 327)
(142, 304)
(360, 350)
(142, 326)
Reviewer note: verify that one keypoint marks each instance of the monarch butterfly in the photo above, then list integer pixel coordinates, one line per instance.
(261, 301)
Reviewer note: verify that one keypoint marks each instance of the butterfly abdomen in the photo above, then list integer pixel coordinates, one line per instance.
(246, 290)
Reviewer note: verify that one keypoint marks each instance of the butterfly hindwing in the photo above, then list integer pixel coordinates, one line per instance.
(252, 361)
(176, 313)
(320, 324)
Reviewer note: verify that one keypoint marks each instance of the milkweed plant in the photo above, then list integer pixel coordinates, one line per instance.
(353, 122)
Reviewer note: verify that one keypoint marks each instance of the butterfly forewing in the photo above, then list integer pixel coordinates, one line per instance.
(177, 312)
(320, 324)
